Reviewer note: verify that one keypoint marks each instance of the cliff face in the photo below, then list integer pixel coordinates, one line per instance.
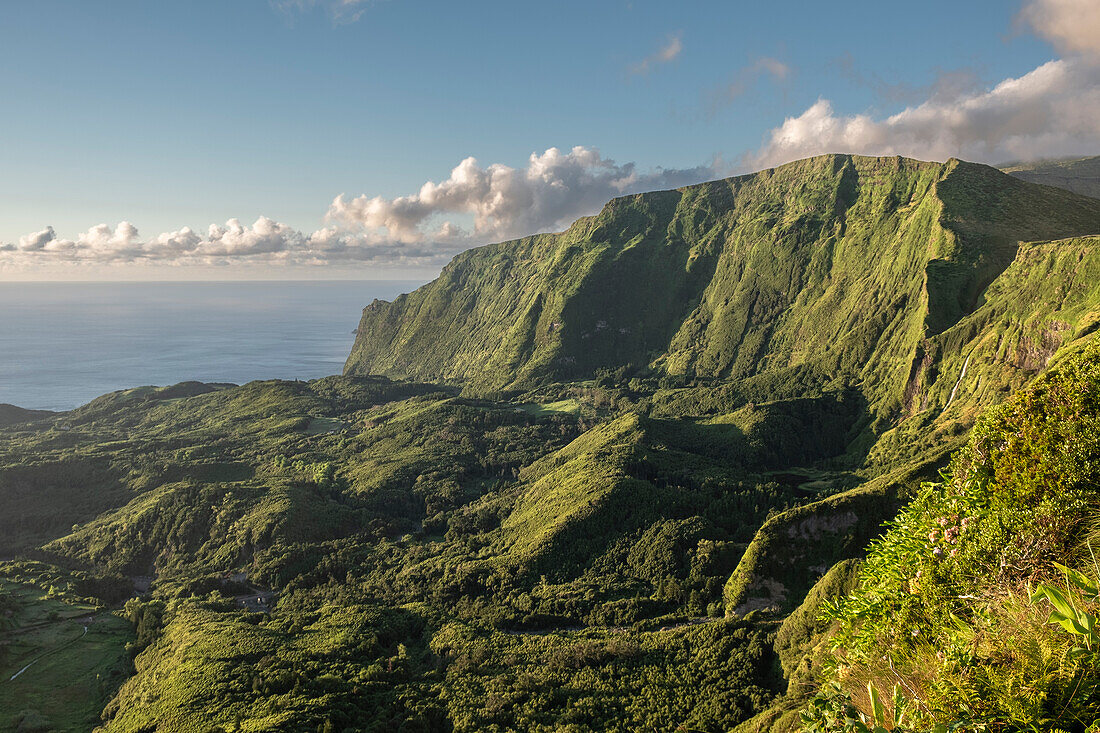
(833, 270)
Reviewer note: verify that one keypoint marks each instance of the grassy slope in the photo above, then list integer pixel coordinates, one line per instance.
(201, 476)
(801, 644)
(796, 547)
(935, 235)
(146, 477)
(1080, 175)
(1048, 297)
(1017, 480)
(343, 665)
(213, 665)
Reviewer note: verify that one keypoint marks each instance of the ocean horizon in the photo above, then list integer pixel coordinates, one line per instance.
(63, 344)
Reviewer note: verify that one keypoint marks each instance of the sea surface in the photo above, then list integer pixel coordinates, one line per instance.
(62, 344)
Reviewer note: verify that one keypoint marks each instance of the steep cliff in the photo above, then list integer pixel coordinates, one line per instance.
(834, 271)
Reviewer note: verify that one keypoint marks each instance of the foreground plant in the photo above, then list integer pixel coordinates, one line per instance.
(958, 607)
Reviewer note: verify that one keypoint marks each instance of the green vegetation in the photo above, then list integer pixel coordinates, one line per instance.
(637, 491)
(349, 555)
(965, 606)
(550, 408)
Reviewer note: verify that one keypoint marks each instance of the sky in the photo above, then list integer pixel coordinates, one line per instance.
(270, 139)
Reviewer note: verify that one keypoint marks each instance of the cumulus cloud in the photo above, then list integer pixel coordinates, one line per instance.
(553, 190)
(123, 244)
(36, 240)
(1050, 111)
(1072, 25)
(264, 242)
(665, 54)
(103, 239)
(236, 240)
(1053, 110)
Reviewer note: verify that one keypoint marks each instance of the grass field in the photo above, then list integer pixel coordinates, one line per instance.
(71, 672)
(561, 407)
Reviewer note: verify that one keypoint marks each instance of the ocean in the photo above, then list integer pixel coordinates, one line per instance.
(62, 344)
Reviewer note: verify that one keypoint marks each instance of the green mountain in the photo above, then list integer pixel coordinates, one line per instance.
(632, 476)
(1080, 175)
(833, 271)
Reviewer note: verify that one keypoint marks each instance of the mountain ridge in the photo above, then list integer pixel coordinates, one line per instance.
(1080, 175)
(836, 270)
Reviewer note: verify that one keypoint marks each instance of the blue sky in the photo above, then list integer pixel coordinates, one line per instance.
(182, 114)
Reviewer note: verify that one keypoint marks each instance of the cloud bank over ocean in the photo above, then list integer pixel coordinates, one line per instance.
(501, 202)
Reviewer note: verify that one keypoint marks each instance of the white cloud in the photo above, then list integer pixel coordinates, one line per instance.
(1050, 111)
(550, 193)
(264, 242)
(122, 243)
(665, 54)
(36, 240)
(102, 240)
(553, 190)
(236, 240)
(1072, 25)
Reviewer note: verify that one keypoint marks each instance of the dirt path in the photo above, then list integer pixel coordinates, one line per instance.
(52, 651)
